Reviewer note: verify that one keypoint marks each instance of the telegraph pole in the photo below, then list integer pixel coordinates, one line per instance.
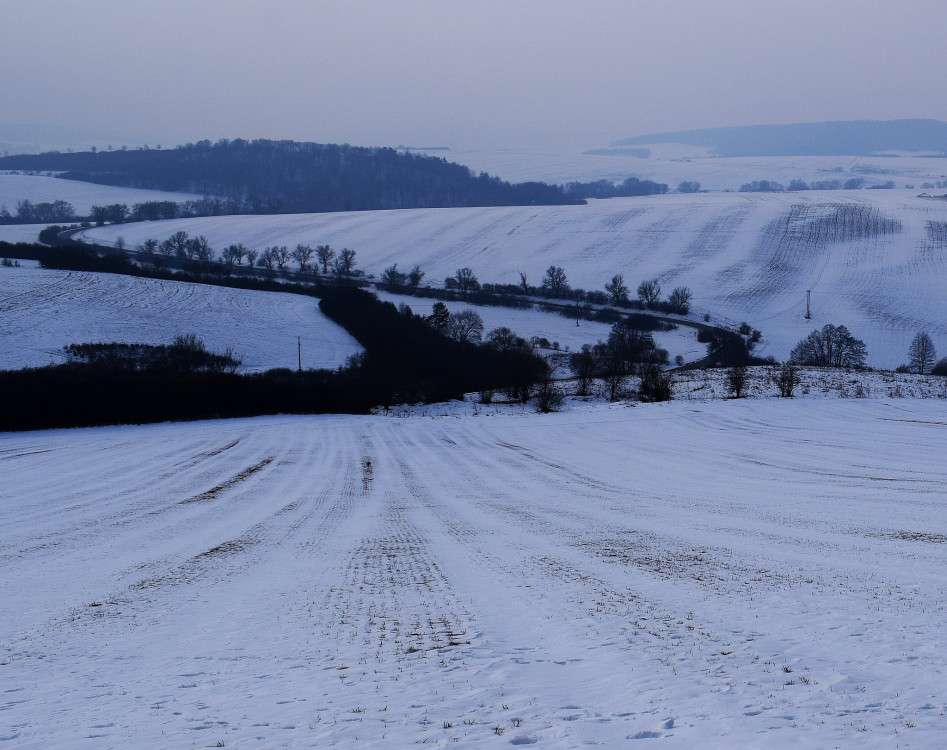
(808, 310)
(299, 351)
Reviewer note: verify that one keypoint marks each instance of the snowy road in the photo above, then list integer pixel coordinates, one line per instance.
(722, 574)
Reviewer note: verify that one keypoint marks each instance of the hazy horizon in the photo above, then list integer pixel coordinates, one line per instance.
(421, 73)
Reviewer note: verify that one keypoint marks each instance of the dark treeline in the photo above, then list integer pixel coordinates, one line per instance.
(72, 395)
(607, 189)
(407, 360)
(98, 259)
(27, 212)
(267, 176)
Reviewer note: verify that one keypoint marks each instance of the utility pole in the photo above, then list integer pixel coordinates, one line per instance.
(808, 310)
(299, 351)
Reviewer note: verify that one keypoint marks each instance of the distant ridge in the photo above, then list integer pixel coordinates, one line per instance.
(845, 138)
(264, 176)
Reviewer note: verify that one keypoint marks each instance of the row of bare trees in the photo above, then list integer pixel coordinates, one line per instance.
(314, 260)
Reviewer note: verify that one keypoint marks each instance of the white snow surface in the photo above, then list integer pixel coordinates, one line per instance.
(874, 260)
(20, 232)
(42, 311)
(43, 188)
(672, 164)
(757, 573)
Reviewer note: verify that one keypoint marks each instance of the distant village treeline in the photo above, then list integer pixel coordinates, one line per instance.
(265, 176)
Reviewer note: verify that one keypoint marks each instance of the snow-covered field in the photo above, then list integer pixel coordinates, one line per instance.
(766, 573)
(20, 232)
(43, 310)
(874, 260)
(15, 187)
(673, 164)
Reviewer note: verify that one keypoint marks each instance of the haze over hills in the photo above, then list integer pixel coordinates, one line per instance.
(844, 138)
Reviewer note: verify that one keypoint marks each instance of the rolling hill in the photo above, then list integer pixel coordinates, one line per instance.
(872, 260)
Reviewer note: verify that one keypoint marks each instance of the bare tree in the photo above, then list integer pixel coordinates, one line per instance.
(266, 260)
(98, 214)
(736, 380)
(344, 265)
(177, 244)
(465, 280)
(251, 256)
(202, 248)
(391, 276)
(302, 255)
(504, 340)
(584, 367)
(465, 326)
(555, 282)
(549, 396)
(280, 254)
(415, 276)
(149, 247)
(524, 283)
(656, 384)
(921, 353)
(613, 369)
(233, 254)
(831, 346)
(680, 300)
(786, 379)
(649, 292)
(617, 289)
(326, 255)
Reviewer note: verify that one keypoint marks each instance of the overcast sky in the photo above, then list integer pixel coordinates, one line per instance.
(510, 73)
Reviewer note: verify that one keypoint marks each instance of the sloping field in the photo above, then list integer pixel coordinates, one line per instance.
(43, 310)
(873, 260)
(716, 575)
(674, 163)
(16, 187)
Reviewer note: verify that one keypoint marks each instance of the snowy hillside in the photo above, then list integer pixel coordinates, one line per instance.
(716, 575)
(41, 311)
(874, 260)
(675, 163)
(15, 187)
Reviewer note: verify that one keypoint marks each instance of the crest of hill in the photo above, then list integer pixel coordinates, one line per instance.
(267, 176)
(845, 138)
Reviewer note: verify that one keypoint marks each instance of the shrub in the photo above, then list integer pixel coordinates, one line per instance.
(549, 397)
(736, 381)
(786, 379)
(656, 384)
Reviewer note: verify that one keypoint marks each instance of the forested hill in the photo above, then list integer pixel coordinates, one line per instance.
(289, 177)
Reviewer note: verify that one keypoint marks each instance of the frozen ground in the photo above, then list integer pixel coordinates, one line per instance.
(765, 573)
(672, 164)
(15, 187)
(874, 260)
(43, 310)
(20, 232)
